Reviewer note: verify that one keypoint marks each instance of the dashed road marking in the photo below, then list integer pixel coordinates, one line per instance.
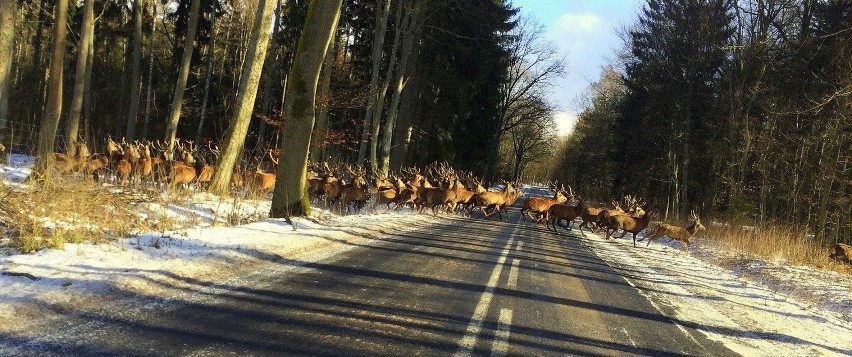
(501, 337)
(469, 340)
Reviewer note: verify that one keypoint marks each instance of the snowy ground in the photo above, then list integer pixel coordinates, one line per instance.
(754, 307)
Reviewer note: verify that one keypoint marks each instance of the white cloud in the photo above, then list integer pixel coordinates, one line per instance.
(565, 123)
(579, 24)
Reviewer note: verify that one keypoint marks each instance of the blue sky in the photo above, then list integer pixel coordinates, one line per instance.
(585, 31)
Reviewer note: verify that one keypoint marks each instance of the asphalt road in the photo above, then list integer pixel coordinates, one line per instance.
(455, 287)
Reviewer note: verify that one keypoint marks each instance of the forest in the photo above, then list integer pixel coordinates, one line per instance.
(739, 109)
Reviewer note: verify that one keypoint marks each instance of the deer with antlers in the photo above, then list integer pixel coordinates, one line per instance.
(558, 212)
(628, 224)
(355, 192)
(497, 200)
(539, 205)
(682, 234)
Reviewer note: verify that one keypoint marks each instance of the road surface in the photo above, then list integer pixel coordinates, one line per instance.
(453, 287)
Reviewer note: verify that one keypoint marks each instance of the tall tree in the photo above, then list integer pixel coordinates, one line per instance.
(135, 71)
(8, 17)
(290, 196)
(321, 127)
(87, 31)
(411, 34)
(249, 82)
(382, 15)
(50, 122)
(183, 74)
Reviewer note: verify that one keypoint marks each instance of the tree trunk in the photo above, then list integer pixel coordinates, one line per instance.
(87, 85)
(135, 72)
(402, 133)
(208, 77)
(47, 133)
(290, 197)
(382, 14)
(180, 87)
(411, 36)
(149, 89)
(269, 76)
(72, 127)
(246, 95)
(318, 146)
(380, 98)
(8, 16)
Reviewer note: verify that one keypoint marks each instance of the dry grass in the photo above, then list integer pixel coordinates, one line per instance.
(70, 211)
(776, 242)
(76, 210)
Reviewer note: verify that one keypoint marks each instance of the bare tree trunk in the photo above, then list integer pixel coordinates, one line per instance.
(382, 13)
(72, 126)
(8, 16)
(412, 33)
(250, 80)
(87, 85)
(207, 77)
(290, 197)
(149, 89)
(180, 87)
(318, 146)
(380, 98)
(269, 75)
(135, 72)
(47, 133)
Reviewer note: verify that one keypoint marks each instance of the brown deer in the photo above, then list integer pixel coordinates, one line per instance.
(841, 253)
(677, 232)
(497, 200)
(355, 192)
(591, 217)
(628, 224)
(539, 205)
(558, 212)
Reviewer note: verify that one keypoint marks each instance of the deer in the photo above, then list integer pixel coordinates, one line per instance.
(559, 211)
(467, 198)
(539, 205)
(842, 253)
(498, 200)
(682, 234)
(628, 224)
(591, 217)
(354, 192)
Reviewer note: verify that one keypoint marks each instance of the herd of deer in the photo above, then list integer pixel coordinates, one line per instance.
(437, 187)
(553, 211)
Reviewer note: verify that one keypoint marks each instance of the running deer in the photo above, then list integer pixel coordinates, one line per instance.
(539, 205)
(682, 234)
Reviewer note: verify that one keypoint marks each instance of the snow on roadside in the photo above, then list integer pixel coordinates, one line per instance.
(750, 316)
(159, 265)
(36, 288)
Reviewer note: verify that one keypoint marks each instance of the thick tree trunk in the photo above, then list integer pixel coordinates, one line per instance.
(382, 13)
(318, 145)
(290, 196)
(47, 133)
(379, 107)
(180, 87)
(135, 72)
(72, 127)
(8, 15)
(249, 82)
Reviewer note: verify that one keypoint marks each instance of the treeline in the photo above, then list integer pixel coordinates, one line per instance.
(736, 108)
(404, 82)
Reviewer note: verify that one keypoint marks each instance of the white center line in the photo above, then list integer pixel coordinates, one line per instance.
(469, 340)
(501, 337)
(513, 272)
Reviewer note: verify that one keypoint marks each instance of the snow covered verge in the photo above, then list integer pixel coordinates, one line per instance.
(52, 283)
(754, 307)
